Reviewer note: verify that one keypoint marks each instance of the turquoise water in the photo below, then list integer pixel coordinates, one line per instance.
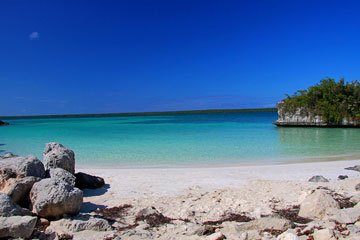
(178, 140)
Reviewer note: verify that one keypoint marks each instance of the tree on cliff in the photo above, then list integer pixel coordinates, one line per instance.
(333, 101)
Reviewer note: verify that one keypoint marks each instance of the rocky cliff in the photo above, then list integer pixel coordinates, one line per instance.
(302, 117)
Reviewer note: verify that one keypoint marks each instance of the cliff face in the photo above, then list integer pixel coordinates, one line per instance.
(303, 118)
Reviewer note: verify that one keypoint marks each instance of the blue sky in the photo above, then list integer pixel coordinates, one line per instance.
(60, 57)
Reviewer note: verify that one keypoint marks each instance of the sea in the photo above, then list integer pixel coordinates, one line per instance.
(179, 140)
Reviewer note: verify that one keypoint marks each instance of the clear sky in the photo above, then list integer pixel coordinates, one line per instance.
(59, 57)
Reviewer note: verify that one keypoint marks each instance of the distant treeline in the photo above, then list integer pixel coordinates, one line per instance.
(150, 113)
(333, 101)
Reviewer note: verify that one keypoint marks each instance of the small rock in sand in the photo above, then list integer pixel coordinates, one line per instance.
(354, 168)
(342, 177)
(318, 178)
(84, 180)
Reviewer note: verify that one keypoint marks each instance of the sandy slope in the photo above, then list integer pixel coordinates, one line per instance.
(171, 182)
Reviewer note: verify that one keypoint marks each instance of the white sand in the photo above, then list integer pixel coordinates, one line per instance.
(171, 182)
(208, 194)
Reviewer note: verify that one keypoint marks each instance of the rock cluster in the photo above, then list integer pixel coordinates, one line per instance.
(31, 192)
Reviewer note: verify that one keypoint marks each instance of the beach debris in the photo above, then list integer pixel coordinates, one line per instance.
(58, 156)
(84, 180)
(52, 198)
(114, 213)
(316, 204)
(318, 178)
(342, 177)
(152, 217)
(61, 174)
(17, 226)
(201, 230)
(292, 214)
(230, 217)
(354, 168)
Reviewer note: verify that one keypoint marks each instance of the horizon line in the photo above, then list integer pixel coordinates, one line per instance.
(148, 113)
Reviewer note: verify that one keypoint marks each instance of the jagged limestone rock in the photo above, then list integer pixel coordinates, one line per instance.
(54, 198)
(316, 204)
(17, 226)
(58, 156)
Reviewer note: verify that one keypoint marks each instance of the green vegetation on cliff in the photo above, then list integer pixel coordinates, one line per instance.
(333, 101)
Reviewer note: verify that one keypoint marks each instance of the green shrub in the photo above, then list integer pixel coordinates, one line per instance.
(333, 101)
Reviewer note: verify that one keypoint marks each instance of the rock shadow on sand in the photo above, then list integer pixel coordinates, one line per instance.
(96, 192)
(88, 207)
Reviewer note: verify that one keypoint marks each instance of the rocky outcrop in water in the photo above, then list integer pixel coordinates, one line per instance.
(302, 117)
(4, 123)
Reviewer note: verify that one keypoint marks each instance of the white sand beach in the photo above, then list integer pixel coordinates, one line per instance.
(157, 182)
(199, 195)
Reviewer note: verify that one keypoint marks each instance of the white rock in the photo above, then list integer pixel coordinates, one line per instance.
(288, 235)
(324, 234)
(54, 198)
(344, 216)
(79, 223)
(316, 204)
(94, 235)
(58, 156)
(355, 199)
(63, 175)
(17, 226)
(216, 236)
(311, 226)
(266, 223)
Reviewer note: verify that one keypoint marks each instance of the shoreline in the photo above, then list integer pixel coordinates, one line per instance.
(352, 157)
(157, 182)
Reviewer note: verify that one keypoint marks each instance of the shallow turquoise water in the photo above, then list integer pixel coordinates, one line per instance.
(178, 140)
